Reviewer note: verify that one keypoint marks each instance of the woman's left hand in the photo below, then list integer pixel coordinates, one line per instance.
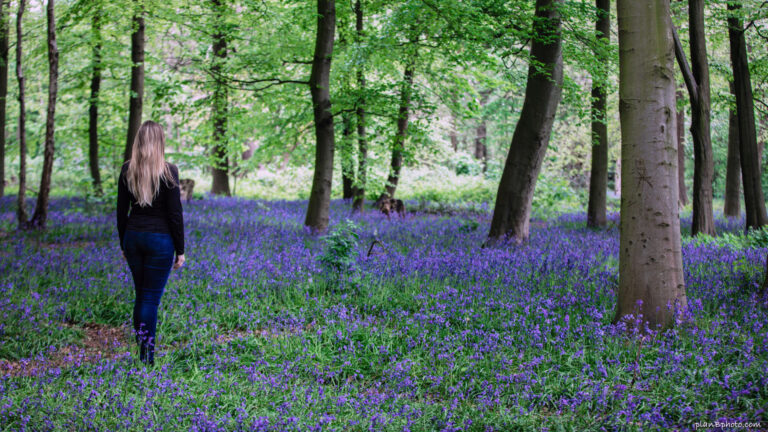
(179, 262)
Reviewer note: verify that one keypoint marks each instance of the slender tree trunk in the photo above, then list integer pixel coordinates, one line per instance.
(732, 206)
(454, 138)
(402, 133)
(481, 133)
(93, 111)
(4, 30)
(318, 210)
(697, 81)
(362, 139)
(650, 257)
(347, 161)
(754, 201)
(681, 150)
(220, 167)
(40, 217)
(22, 210)
(617, 178)
(512, 211)
(598, 178)
(136, 100)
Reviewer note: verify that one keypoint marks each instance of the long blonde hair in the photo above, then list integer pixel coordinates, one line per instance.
(147, 167)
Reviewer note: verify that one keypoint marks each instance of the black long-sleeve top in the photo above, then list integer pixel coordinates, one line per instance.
(164, 215)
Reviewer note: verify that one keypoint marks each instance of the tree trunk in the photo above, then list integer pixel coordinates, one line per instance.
(4, 29)
(40, 216)
(452, 134)
(697, 81)
(22, 210)
(754, 201)
(362, 139)
(732, 207)
(650, 257)
(402, 133)
(220, 167)
(318, 210)
(347, 161)
(93, 110)
(598, 177)
(481, 133)
(136, 100)
(512, 211)
(681, 150)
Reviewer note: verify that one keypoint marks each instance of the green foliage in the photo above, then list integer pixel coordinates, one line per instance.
(340, 247)
(754, 238)
(554, 196)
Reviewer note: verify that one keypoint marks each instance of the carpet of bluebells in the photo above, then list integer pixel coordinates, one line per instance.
(426, 332)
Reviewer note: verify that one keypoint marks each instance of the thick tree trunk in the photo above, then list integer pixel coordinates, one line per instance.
(136, 99)
(598, 177)
(318, 210)
(650, 257)
(347, 161)
(362, 139)
(93, 110)
(40, 217)
(732, 206)
(754, 201)
(512, 211)
(220, 167)
(22, 210)
(681, 150)
(697, 81)
(398, 145)
(4, 30)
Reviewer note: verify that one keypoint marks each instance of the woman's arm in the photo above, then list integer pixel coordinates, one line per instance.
(123, 204)
(175, 213)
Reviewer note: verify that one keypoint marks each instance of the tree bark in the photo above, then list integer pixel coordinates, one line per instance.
(650, 257)
(681, 150)
(754, 201)
(136, 100)
(512, 211)
(347, 161)
(40, 216)
(4, 30)
(93, 110)
(697, 81)
(398, 145)
(481, 133)
(732, 206)
(362, 139)
(598, 177)
(220, 166)
(452, 134)
(22, 210)
(318, 210)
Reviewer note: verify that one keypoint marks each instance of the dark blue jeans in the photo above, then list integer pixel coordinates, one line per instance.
(150, 257)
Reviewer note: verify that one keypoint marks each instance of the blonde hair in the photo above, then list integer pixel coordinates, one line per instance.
(147, 167)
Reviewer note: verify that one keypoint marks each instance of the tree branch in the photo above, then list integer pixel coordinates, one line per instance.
(685, 68)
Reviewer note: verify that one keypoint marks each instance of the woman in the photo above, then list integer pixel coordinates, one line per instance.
(148, 188)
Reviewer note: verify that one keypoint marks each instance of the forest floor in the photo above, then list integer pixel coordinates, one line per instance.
(427, 332)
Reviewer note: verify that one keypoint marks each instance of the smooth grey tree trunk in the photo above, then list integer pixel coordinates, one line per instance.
(512, 211)
(754, 201)
(40, 216)
(481, 133)
(136, 99)
(93, 109)
(362, 139)
(650, 257)
(220, 166)
(21, 211)
(598, 177)
(318, 210)
(4, 30)
(696, 78)
(732, 205)
(681, 149)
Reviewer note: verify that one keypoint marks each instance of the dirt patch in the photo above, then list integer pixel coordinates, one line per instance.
(99, 342)
(239, 334)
